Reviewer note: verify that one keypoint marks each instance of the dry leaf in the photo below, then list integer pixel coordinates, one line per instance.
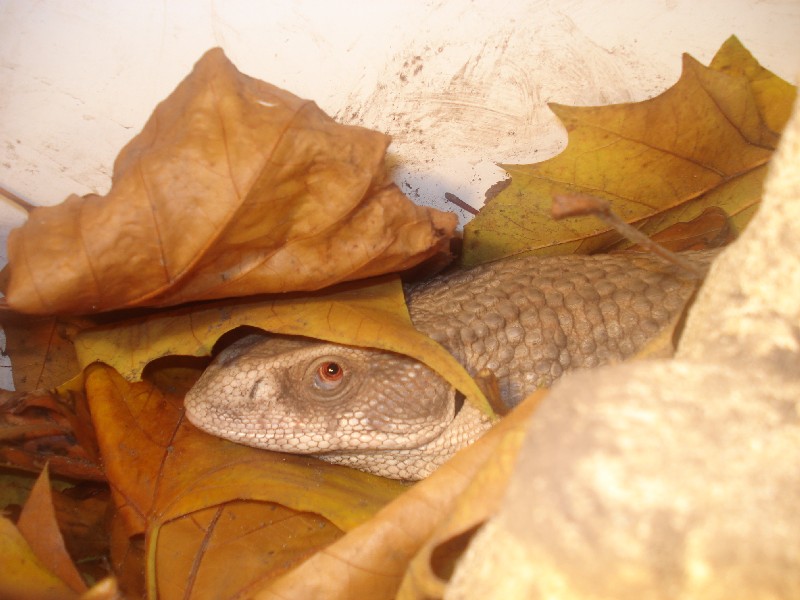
(169, 470)
(39, 526)
(704, 142)
(234, 187)
(431, 568)
(49, 427)
(774, 97)
(711, 229)
(81, 511)
(24, 576)
(42, 355)
(372, 315)
(195, 553)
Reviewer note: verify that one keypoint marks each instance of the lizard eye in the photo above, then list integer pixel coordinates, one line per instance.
(328, 376)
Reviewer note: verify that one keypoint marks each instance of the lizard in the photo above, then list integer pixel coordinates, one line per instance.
(527, 319)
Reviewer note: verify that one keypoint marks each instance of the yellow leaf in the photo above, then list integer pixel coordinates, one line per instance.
(774, 96)
(367, 314)
(263, 540)
(702, 143)
(24, 577)
(38, 524)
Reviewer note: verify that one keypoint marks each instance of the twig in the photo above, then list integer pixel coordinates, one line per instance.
(578, 205)
(460, 203)
(490, 386)
(13, 198)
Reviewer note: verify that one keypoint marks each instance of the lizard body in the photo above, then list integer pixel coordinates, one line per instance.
(527, 319)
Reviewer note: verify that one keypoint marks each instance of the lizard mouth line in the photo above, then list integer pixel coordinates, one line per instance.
(261, 439)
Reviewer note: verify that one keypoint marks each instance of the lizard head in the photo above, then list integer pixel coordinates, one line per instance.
(303, 396)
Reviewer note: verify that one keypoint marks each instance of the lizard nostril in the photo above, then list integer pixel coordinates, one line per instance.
(255, 390)
(329, 375)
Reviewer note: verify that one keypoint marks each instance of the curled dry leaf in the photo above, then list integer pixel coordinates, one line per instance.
(704, 142)
(234, 187)
(430, 570)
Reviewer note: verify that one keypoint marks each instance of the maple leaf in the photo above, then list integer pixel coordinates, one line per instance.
(705, 142)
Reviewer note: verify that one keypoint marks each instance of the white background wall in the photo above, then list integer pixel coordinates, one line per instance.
(459, 84)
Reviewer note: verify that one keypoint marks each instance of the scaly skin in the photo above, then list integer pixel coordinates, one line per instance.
(528, 319)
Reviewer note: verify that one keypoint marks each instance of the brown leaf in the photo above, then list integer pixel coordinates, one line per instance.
(711, 229)
(81, 511)
(431, 568)
(42, 355)
(127, 554)
(24, 576)
(704, 142)
(233, 187)
(196, 552)
(39, 526)
(161, 469)
(49, 427)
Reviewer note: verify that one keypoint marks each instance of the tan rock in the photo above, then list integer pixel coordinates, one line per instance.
(671, 479)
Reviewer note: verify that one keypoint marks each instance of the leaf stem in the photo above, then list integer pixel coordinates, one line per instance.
(576, 205)
(14, 199)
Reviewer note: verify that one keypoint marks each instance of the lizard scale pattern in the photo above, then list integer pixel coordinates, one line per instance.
(527, 319)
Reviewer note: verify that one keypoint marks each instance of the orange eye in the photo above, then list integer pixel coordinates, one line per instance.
(330, 371)
(328, 375)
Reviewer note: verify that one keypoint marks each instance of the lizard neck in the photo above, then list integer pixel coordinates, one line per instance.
(412, 464)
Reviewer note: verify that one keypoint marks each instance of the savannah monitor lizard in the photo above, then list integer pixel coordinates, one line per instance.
(527, 319)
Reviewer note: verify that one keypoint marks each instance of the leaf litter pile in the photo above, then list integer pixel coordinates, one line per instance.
(234, 191)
